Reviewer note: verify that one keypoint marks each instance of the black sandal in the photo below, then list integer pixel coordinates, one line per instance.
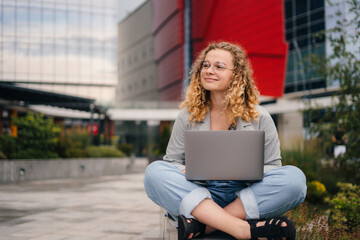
(272, 229)
(189, 228)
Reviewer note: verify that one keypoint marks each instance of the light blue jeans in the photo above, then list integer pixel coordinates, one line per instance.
(280, 190)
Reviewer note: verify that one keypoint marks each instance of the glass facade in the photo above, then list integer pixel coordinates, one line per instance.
(303, 18)
(63, 46)
(138, 134)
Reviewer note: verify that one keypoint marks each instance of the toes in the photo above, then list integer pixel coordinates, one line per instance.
(283, 224)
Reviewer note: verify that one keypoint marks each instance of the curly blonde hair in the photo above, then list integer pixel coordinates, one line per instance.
(242, 94)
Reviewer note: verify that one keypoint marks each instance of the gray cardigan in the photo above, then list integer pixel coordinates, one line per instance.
(175, 152)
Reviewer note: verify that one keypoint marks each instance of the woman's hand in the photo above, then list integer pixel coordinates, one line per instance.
(184, 171)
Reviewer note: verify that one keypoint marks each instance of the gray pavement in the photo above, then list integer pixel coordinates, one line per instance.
(109, 207)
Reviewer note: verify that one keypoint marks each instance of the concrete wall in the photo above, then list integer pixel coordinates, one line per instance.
(290, 128)
(26, 170)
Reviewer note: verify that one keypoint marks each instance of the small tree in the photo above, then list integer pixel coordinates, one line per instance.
(342, 66)
(37, 137)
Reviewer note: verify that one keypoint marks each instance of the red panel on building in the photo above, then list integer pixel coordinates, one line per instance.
(172, 93)
(256, 25)
(170, 69)
(163, 9)
(168, 38)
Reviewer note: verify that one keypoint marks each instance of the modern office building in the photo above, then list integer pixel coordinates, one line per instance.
(61, 46)
(277, 35)
(180, 29)
(58, 57)
(137, 80)
(302, 20)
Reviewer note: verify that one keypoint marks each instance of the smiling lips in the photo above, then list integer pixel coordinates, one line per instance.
(210, 79)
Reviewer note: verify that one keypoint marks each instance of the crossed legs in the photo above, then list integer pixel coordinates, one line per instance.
(229, 219)
(281, 190)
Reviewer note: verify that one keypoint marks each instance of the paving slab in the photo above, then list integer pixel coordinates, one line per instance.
(109, 207)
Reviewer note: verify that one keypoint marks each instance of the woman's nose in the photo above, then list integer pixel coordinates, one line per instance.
(210, 69)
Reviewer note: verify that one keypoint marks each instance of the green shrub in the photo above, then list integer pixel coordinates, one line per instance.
(307, 160)
(312, 223)
(126, 148)
(2, 156)
(69, 149)
(102, 151)
(345, 211)
(330, 176)
(77, 135)
(7, 146)
(316, 192)
(37, 137)
(73, 143)
(33, 153)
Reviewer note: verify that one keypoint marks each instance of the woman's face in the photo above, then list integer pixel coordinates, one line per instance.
(217, 70)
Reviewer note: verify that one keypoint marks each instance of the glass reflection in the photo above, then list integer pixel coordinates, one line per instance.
(59, 41)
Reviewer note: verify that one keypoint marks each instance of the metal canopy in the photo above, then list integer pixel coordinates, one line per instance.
(28, 96)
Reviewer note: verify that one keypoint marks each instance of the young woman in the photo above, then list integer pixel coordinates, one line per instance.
(222, 96)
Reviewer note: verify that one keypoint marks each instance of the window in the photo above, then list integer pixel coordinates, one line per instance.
(289, 25)
(301, 6)
(47, 63)
(35, 22)
(8, 57)
(60, 62)
(21, 60)
(302, 42)
(34, 60)
(317, 16)
(302, 31)
(85, 23)
(301, 21)
(289, 78)
(289, 36)
(85, 63)
(315, 4)
(21, 21)
(48, 22)
(317, 27)
(73, 62)
(60, 23)
(288, 9)
(73, 27)
(9, 20)
(97, 28)
(290, 63)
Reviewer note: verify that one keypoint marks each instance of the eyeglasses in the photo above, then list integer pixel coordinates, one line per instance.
(218, 66)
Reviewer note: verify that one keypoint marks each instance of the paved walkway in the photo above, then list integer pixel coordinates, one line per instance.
(107, 208)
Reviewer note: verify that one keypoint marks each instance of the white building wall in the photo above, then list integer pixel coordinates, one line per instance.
(136, 64)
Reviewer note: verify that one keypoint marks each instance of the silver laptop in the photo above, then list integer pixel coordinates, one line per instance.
(224, 155)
